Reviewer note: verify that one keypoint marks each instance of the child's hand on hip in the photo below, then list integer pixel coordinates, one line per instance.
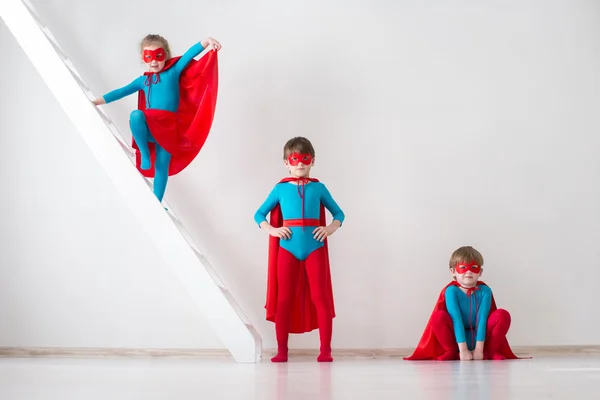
(282, 233)
(322, 232)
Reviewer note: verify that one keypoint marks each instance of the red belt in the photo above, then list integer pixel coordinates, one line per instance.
(299, 222)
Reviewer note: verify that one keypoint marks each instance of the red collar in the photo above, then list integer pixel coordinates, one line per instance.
(469, 291)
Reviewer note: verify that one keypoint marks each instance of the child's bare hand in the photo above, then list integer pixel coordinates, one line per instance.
(322, 232)
(98, 102)
(477, 354)
(211, 42)
(282, 233)
(466, 355)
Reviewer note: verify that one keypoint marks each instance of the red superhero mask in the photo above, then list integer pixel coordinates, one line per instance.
(158, 55)
(470, 266)
(296, 158)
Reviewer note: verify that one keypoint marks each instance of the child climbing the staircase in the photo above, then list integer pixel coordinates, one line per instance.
(176, 103)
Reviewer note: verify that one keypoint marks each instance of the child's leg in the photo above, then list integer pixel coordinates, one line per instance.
(317, 280)
(497, 328)
(443, 329)
(161, 172)
(287, 278)
(140, 132)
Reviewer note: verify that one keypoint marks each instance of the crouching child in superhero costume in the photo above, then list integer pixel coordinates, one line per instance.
(176, 104)
(299, 290)
(465, 323)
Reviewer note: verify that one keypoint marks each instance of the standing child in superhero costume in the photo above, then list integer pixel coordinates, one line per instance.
(465, 323)
(176, 103)
(299, 290)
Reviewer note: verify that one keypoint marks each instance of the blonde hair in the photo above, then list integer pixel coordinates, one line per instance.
(465, 254)
(158, 40)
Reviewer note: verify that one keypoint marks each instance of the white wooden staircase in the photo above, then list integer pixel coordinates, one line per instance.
(118, 160)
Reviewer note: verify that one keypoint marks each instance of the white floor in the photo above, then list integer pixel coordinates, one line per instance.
(565, 378)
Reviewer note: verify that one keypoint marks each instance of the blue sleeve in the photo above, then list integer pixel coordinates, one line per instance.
(454, 311)
(117, 94)
(332, 206)
(187, 57)
(484, 313)
(267, 206)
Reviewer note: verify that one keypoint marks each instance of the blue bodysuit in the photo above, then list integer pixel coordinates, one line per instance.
(469, 311)
(301, 242)
(162, 93)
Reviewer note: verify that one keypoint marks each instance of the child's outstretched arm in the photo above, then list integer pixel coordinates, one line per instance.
(260, 217)
(117, 94)
(193, 52)
(338, 217)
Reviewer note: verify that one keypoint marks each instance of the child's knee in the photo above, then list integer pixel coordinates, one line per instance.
(502, 315)
(320, 302)
(499, 319)
(284, 301)
(137, 117)
(319, 299)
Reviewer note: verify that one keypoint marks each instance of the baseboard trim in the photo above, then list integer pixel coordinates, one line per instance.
(72, 352)
(82, 352)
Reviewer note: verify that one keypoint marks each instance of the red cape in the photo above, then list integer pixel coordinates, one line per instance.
(304, 313)
(430, 349)
(183, 133)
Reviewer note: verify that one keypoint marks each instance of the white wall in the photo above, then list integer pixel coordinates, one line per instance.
(435, 126)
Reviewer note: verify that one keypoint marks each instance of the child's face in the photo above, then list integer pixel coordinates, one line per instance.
(155, 57)
(467, 273)
(299, 164)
